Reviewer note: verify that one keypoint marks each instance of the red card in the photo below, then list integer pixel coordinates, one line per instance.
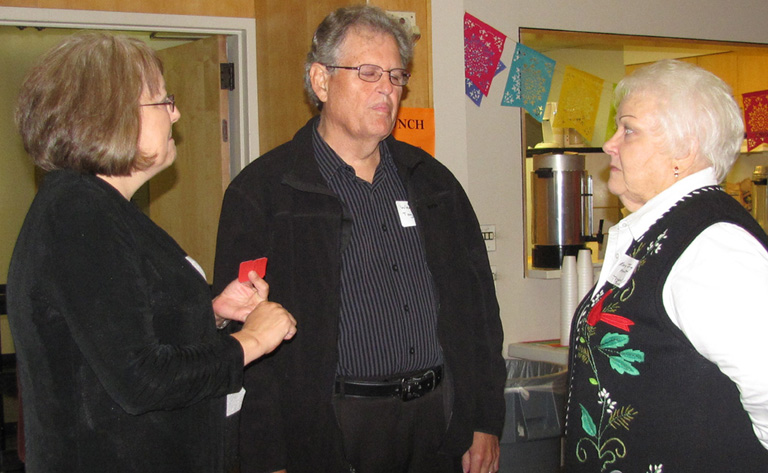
(258, 265)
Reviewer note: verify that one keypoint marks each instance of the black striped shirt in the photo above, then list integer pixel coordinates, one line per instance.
(388, 322)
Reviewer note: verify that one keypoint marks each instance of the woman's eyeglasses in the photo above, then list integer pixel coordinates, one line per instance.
(169, 102)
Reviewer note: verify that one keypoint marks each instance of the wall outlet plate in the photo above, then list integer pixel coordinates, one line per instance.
(489, 235)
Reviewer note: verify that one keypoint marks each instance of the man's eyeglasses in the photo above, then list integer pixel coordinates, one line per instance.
(169, 102)
(372, 73)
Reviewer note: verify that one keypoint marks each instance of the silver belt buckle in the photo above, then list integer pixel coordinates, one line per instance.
(411, 388)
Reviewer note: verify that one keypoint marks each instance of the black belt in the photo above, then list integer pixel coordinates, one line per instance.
(404, 388)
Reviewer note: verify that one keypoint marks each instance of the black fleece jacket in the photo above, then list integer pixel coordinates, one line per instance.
(121, 366)
(280, 207)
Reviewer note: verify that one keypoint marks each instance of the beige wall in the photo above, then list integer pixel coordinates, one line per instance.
(17, 175)
(17, 187)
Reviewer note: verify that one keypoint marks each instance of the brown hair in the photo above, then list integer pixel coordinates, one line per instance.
(78, 107)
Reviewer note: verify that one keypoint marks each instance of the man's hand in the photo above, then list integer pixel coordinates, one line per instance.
(483, 455)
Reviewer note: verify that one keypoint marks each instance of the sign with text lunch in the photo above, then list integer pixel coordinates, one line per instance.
(416, 126)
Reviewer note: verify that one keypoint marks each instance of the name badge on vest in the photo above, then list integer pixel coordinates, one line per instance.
(406, 216)
(623, 271)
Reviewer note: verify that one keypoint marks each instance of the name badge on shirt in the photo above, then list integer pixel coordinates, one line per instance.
(623, 271)
(406, 216)
(235, 402)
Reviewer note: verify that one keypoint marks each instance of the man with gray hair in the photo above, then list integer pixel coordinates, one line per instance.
(374, 248)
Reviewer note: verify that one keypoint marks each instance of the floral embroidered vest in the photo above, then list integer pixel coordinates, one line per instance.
(641, 398)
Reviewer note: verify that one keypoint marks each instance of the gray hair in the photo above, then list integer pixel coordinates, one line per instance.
(333, 30)
(693, 103)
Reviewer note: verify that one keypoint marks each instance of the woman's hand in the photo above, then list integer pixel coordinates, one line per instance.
(265, 328)
(238, 299)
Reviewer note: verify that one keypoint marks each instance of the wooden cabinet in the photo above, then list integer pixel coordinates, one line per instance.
(724, 66)
(745, 70)
(752, 72)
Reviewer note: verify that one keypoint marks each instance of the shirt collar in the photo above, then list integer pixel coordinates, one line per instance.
(328, 161)
(641, 220)
(331, 164)
(632, 227)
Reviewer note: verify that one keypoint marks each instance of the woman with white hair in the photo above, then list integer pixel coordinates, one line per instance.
(667, 370)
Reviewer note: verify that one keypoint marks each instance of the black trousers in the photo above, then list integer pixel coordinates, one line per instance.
(388, 435)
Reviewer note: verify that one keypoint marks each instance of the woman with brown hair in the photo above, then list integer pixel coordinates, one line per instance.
(121, 363)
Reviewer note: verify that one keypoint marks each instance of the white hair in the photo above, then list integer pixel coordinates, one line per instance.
(693, 104)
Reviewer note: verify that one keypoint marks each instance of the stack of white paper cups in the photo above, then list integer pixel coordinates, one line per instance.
(585, 272)
(568, 297)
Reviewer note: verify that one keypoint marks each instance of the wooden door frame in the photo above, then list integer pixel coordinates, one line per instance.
(241, 50)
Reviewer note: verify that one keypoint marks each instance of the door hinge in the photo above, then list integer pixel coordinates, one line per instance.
(227, 76)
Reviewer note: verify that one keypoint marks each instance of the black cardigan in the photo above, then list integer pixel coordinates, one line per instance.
(280, 207)
(121, 366)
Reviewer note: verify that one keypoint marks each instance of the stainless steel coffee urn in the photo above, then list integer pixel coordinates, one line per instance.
(562, 208)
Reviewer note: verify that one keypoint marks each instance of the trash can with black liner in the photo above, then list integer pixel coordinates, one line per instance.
(533, 428)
